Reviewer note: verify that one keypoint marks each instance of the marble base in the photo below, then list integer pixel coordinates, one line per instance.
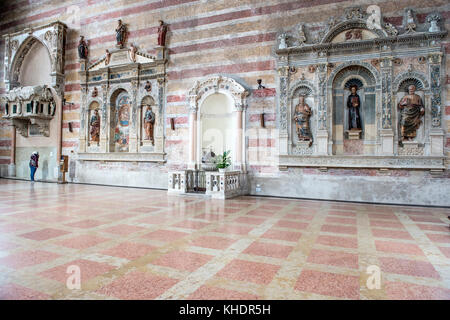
(322, 142)
(354, 134)
(11, 170)
(387, 142)
(437, 143)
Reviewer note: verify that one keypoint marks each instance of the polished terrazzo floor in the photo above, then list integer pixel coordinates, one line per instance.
(142, 244)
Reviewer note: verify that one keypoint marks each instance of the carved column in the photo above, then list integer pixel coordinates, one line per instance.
(386, 132)
(239, 133)
(322, 130)
(436, 131)
(283, 72)
(192, 137)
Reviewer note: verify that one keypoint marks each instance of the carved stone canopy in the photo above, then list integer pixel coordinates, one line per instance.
(18, 45)
(30, 105)
(369, 32)
(217, 84)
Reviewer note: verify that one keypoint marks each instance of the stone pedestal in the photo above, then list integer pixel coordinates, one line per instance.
(283, 142)
(160, 52)
(354, 134)
(387, 142)
(410, 148)
(83, 64)
(11, 170)
(437, 143)
(322, 142)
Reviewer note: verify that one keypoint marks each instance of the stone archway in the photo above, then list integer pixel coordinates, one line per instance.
(200, 96)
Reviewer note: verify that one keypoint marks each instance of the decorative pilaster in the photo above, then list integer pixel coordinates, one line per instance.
(283, 72)
(386, 132)
(104, 147)
(133, 142)
(436, 131)
(159, 134)
(82, 145)
(238, 162)
(322, 132)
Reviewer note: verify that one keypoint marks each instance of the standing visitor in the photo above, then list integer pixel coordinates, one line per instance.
(34, 164)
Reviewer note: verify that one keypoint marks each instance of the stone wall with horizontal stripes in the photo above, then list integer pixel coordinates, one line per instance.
(230, 37)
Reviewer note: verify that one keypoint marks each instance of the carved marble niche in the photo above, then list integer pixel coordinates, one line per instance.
(359, 48)
(34, 77)
(18, 45)
(120, 89)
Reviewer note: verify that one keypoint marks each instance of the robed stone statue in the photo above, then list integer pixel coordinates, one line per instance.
(82, 48)
(95, 126)
(301, 117)
(149, 121)
(353, 105)
(411, 112)
(120, 34)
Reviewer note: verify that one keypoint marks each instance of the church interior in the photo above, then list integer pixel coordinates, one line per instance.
(225, 150)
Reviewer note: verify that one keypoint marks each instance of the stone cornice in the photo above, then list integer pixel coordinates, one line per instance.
(361, 44)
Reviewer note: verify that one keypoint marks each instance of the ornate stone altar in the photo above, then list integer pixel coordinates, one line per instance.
(121, 86)
(359, 49)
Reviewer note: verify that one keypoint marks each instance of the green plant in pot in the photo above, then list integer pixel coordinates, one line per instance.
(223, 161)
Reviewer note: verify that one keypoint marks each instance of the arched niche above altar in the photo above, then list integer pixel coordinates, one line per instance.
(354, 128)
(217, 120)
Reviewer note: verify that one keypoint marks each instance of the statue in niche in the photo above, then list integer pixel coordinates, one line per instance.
(162, 30)
(411, 111)
(148, 86)
(107, 56)
(410, 24)
(149, 121)
(95, 126)
(353, 105)
(82, 48)
(433, 20)
(120, 34)
(132, 52)
(301, 35)
(301, 117)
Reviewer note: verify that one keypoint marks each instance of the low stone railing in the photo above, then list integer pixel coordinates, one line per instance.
(219, 185)
(223, 185)
(177, 183)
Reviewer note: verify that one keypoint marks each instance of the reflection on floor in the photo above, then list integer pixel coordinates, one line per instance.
(142, 244)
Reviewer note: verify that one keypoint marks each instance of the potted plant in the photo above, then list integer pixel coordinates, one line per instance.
(223, 161)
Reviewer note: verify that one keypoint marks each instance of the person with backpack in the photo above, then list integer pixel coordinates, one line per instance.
(34, 164)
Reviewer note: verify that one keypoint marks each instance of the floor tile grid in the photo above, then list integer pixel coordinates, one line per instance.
(158, 270)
